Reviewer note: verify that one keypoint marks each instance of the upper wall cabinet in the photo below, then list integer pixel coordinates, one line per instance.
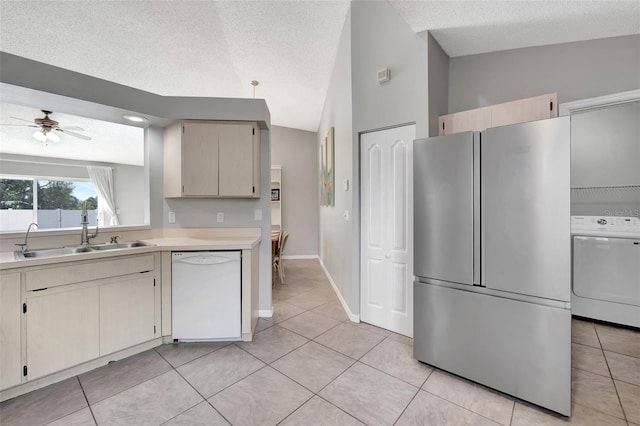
(520, 111)
(210, 159)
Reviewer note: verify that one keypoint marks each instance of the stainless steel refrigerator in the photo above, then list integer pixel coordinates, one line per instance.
(493, 258)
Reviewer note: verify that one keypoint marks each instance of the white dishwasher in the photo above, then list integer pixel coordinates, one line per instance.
(206, 296)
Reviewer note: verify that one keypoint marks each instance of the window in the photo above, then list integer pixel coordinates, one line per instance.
(51, 203)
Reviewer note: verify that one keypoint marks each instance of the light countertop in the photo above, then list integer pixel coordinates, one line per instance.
(9, 261)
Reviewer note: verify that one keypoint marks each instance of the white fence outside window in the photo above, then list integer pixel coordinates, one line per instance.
(19, 220)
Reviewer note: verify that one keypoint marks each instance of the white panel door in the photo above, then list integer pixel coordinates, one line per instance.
(386, 167)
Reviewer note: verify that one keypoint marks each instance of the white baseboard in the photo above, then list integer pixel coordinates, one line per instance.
(77, 370)
(265, 313)
(301, 256)
(352, 317)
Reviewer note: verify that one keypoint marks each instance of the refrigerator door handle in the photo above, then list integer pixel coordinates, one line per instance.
(477, 205)
(483, 211)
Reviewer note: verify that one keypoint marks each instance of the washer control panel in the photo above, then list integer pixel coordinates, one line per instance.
(605, 223)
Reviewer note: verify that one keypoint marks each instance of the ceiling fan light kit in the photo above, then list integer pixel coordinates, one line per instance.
(47, 128)
(45, 136)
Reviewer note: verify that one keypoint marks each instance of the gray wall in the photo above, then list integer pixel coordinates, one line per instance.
(296, 151)
(605, 159)
(374, 37)
(336, 234)
(438, 62)
(577, 70)
(381, 38)
(31, 83)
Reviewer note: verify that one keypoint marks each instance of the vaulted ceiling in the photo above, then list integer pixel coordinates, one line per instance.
(215, 48)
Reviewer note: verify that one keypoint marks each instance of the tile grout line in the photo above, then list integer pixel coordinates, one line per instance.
(86, 399)
(416, 394)
(134, 384)
(205, 399)
(624, 414)
(344, 411)
(313, 393)
(407, 406)
(513, 412)
(464, 408)
(185, 363)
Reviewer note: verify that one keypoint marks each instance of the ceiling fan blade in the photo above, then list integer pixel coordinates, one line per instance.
(18, 125)
(21, 119)
(74, 128)
(77, 135)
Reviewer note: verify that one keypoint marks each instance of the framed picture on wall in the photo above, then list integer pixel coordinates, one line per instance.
(323, 173)
(330, 169)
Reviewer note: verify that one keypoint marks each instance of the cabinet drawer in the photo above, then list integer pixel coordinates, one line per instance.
(87, 271)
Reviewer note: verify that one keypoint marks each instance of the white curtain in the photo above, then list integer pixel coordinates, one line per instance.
(102, 178)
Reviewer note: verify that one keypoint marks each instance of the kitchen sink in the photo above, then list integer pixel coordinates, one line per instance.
(115, 246)
(65, 251)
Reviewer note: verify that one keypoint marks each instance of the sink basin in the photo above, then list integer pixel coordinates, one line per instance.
(64, 251)
(51, 252)
(115, 246)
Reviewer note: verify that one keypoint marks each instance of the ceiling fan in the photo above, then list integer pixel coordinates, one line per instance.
(47, 128)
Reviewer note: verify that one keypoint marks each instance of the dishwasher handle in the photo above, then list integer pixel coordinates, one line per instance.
(205, 259)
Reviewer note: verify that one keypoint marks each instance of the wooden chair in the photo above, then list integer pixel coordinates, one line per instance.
(278, 267)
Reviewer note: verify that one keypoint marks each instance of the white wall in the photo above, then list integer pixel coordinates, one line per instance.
(577, 70)
(374, 37)
(296, 151)
(128, 183)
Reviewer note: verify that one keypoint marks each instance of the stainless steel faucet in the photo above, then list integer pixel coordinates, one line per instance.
(84, 221)
(24, 247)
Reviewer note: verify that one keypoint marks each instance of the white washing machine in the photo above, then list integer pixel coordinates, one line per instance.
(606, 269)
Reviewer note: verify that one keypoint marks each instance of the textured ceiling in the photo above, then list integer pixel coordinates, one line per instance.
(189, 48)
(215, 48)
(110, 142)
(471, 27)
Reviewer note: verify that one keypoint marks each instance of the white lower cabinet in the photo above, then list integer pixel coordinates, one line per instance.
(10, 313)
(60, 320)
(127, 314)
(62, 330)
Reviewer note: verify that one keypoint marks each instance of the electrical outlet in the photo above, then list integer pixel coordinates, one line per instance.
(345, 215)
(220, 217)
(172, 217)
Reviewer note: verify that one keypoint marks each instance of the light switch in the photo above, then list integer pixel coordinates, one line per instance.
(220, 217)
(257, 214)
(172, 217)
(345, 184)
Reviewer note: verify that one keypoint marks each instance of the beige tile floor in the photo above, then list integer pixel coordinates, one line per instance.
(309, 365)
